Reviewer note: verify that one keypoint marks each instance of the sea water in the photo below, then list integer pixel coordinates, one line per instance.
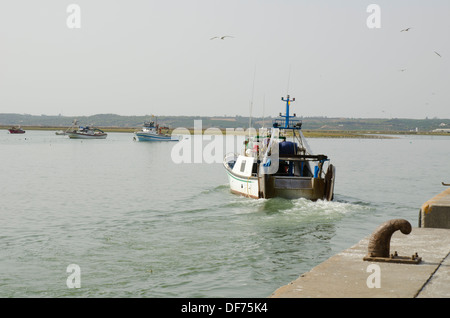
(135, 224)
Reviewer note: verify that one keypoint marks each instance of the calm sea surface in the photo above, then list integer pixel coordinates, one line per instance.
(139, 225)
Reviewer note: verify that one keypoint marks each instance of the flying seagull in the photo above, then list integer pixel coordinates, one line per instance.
(222, 37)
(405, 30)
(437, 54)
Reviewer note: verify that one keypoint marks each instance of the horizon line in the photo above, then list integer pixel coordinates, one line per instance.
(225, 116)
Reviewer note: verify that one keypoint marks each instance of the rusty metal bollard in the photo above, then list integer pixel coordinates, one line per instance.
(380, 241)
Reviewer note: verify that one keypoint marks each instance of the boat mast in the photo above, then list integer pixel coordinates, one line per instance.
(292, 124)
(251, 105)
(287, 116)
(264, 107)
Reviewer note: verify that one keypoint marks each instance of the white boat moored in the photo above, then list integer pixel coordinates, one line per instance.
(87, 133)
(151, 131)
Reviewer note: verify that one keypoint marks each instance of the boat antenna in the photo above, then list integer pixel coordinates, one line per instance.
(264, 106)
(251, 103)
(289, 79)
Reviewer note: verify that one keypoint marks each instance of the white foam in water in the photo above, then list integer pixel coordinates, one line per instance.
(299, 209)
(321, 209)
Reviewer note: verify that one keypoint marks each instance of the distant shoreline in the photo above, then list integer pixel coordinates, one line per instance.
(344, 126)
(308, 133)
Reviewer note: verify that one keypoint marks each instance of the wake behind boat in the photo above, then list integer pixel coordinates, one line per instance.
(277, 163)
(87, 133)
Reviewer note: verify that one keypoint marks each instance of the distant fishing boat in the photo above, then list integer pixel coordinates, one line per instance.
(152, 131)
(278, 163)
(87, 133)
(16, 130)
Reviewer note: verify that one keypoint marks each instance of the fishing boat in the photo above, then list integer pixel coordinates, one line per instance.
(278, 162)
(152, 131)
(16, 130)
(87, 133)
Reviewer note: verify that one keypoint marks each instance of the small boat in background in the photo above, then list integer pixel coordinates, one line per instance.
(87, 133)
(16, 130)
(151, 131)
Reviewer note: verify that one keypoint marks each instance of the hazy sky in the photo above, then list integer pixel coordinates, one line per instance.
(141, 57)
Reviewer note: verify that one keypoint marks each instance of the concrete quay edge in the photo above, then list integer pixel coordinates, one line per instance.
(347, 275)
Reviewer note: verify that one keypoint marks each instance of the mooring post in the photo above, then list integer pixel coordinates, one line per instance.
(379, 243)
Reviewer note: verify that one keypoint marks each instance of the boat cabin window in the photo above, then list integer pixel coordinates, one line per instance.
(294, 168)
(243, 166)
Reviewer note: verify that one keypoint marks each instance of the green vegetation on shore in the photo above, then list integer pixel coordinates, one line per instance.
(306, 133)
(312, 126)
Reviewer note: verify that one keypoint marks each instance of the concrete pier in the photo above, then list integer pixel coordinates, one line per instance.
(347, 275)
(435, 212)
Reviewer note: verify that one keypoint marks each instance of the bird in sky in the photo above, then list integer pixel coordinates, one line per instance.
(402, 70)
(405, 30)
(222, 37)
(437, 54)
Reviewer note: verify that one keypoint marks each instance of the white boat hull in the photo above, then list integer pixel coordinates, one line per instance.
(153, 137)
(243, 185)
(84, 136)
